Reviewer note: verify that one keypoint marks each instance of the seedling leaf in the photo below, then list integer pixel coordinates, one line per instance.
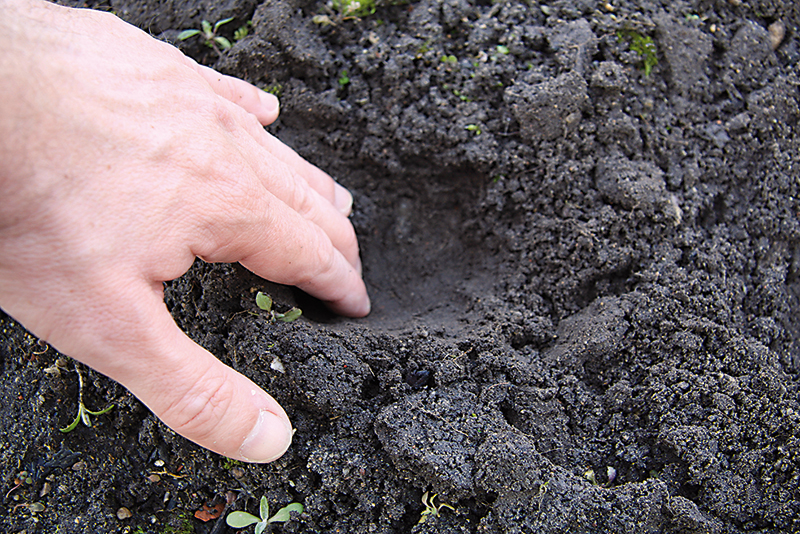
(261, 527)
(285, 513)
(221, 22)
(73, 425)
(185, 34)
(224, 43)
(264, 508)
(263, 301)
(206, 28)
(290, 315)
(240, 519)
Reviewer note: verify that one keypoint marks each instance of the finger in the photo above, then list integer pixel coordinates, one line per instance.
(317, 179)
(189, 389)
(278, 179)
(275, 242)
(265, 106)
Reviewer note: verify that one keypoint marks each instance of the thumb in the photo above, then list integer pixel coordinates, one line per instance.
(190, 390)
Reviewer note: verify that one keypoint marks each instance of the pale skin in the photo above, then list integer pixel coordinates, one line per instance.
(121, 161)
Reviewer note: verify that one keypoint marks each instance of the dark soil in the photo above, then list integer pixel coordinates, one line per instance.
(575, 267)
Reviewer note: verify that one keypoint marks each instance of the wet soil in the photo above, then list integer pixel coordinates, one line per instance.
(585, 277)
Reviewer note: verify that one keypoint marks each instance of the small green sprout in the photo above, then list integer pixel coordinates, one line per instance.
(83, 411)
(244, 519)
(341, 10)
(230, 463)
(209, 34)
(264, 302)
(449, 60)
(275, 89)
(503, 49)
(474, 128)
(242, 31)
(462, 96)
(642, 45)
(354, 9)
(344, 79)
(431, 508)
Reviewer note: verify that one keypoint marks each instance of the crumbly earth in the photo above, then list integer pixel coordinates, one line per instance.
(586, 282)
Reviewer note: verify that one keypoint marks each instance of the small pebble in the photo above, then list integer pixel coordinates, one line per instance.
(154, 478)
(123, 513)
(777, 31)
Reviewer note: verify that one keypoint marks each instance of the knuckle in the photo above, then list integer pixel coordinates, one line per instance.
(223, 114)
(303, 200)
(321, 261)
(203, 407)
(350, 240)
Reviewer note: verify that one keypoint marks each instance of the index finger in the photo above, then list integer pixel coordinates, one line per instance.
(275, 242)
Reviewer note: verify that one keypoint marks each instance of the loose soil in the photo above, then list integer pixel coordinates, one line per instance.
(586, 283)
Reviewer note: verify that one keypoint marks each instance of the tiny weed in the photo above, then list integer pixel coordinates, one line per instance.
(83, 412)
(210, 35)
(449, 60)
(185, 527)
(244, 519)
(474, 128)
(344, 79)
(276, 89)
(341, 10)
(264, 302)
(462, 96)
(431, 508)
(423, 49)
(642, 45)
(230, 463)
(353, 9)
(502, 49)
(242, 31)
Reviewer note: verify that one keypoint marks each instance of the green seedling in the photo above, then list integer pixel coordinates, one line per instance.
(462, 96)
(83, 412)
(341, 10)
(642, 45)
(354, 9)
(242, 31)
(344, 79)
(275, 88)
(230, 463)
(474, 128)
(264, 302)
(209, 34)
(244, 519)
(431, 508)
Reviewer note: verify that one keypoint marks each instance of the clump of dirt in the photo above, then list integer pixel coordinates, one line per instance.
(585, 283)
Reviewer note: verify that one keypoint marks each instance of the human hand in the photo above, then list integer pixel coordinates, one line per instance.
(121, 160)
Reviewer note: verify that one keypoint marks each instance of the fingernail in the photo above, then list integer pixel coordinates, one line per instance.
(268, 440)
(342, 199)
(270, 102)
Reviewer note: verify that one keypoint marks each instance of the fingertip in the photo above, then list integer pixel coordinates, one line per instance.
(354, 306)
(342, 199)
(270, 107)
(269, 439)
